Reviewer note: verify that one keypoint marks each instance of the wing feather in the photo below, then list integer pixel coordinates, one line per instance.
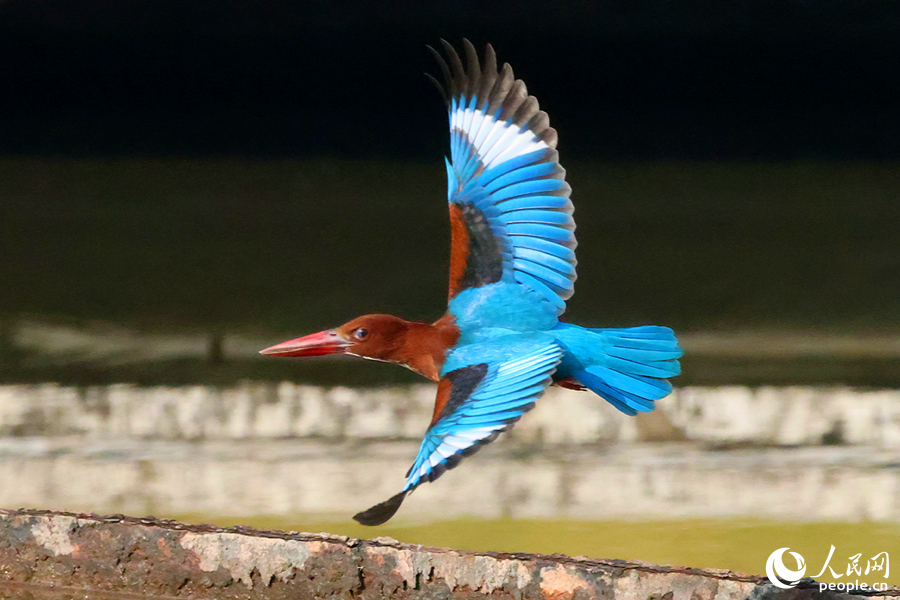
(534, 201)
(503, 167)
(538, 243)
(476, 401)
(533, 171)
(500, 398)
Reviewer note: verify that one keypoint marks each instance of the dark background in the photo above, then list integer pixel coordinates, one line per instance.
(272, 168)
(761, 79)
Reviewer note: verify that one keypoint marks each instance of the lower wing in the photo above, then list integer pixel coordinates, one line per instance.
(475, 403)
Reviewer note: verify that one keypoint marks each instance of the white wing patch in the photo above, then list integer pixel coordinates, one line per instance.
(494, 141)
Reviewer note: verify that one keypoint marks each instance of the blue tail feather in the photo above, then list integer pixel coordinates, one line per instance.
(633, 383)
(642, 354)
(626, 367)
(622, 400)
(644, 331)
(649, 367)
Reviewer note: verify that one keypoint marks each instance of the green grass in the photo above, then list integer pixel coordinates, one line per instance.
(741, 545)
(259, 247)
(305, 244)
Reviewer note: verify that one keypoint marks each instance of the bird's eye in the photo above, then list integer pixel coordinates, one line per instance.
(361, 333)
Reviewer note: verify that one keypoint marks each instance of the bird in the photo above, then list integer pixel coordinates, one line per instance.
(501, 342)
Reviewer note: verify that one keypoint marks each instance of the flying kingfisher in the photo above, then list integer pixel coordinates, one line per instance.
(512, 268)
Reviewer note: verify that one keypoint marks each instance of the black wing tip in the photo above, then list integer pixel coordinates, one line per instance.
(494, 88)
(462, 78)
(440, 88)
(380, 513)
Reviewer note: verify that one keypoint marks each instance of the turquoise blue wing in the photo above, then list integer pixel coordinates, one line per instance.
(510, 212)
(475, 403)
(482, 401)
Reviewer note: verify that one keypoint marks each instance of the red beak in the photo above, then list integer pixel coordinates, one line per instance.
(317, 344)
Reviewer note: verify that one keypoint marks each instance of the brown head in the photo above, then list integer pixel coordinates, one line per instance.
(418, 346)
(371, 336)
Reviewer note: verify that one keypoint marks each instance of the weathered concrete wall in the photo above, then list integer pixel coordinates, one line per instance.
(780, 416)
(283, 477)
(262, 449)
(80, 555)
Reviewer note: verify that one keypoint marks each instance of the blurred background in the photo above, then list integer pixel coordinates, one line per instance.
(182, 184)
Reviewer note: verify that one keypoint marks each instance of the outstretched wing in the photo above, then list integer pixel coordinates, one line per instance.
(475, 403)
(510, 213)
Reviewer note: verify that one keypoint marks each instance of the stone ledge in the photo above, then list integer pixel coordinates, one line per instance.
(44, 554)
(292, 477)
(780, 416)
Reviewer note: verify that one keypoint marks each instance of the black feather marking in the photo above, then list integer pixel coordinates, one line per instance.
(539, 122)
(514, 99)
(494, 89)
(439, 87)
(526, 110)
(380, 513)
(445, 72)
(459, 73)
(484, 263)
(488, 78)
(453, 461)
(501, 89)
(467, 452)
(550, 137)
(477, 446)
(490, 59)
(524, 408)
(474, 69)
(463, 382)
